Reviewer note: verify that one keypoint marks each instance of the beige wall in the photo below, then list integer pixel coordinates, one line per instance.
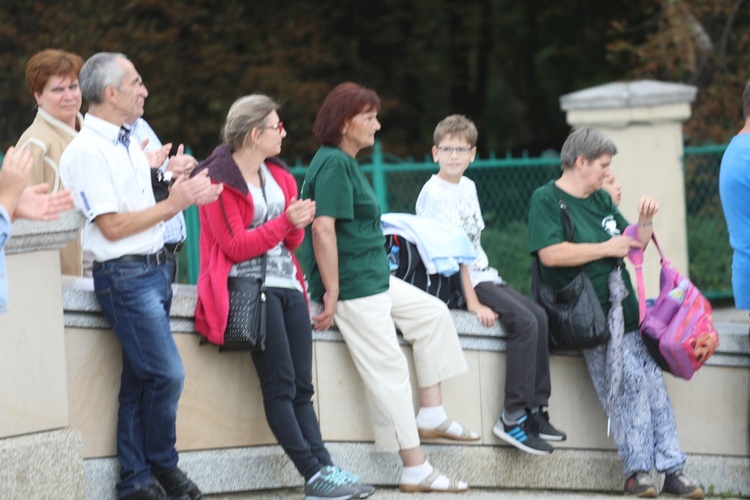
(221, 405)
(32, 360)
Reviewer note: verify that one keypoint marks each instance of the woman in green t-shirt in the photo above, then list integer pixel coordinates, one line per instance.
(345, 259)
(641, 414)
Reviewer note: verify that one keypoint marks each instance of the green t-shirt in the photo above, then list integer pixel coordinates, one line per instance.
(340, 190)
(596, 220)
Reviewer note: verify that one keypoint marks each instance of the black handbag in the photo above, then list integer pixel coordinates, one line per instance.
(576, 319)
(246, 324)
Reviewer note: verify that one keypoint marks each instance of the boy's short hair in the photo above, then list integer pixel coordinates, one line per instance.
(456, 126)
(746, 101)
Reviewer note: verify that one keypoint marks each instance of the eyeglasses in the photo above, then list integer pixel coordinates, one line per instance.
(449, 151)
(279, 127)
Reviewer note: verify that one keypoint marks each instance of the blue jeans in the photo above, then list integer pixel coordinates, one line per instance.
(136, 298)
(285, 374)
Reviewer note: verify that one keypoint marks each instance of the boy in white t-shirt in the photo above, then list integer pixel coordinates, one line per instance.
(452, 198)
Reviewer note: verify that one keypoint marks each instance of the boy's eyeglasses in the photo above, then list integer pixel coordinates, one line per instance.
(279, 127)
(449, 151)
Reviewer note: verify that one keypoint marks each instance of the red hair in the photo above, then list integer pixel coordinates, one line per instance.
(344, 102)
(51, 62)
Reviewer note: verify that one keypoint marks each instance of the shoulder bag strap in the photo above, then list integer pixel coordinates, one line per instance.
(536, 267)
(265, 219)
(639, 274)
(641, 293)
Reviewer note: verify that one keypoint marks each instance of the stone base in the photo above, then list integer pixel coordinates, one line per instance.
(266, 467)
(42, 465)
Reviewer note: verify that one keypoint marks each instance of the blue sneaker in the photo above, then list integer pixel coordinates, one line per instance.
(365, 490)
(522, 435)
(330, 483)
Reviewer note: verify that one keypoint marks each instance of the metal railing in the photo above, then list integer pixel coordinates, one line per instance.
(709, 253)
(505, 185)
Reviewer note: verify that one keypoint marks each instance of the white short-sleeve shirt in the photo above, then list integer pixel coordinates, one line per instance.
(107, 177)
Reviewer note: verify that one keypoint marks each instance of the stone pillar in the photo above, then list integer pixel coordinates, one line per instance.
(39, 457)
(644, 119)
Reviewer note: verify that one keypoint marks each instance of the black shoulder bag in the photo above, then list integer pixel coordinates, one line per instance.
(246, 325)
(576, 319)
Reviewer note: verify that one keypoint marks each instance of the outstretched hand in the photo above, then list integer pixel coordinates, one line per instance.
(157, 157)
(300, 212)
(196, 190)
(647, 208)
(181, 164)
(36, 204)
(15, 171)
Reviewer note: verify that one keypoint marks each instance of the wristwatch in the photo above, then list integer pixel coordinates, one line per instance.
(164, 177)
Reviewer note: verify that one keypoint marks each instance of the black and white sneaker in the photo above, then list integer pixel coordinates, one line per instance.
(522, 435)
(680, 484)
(545, 429)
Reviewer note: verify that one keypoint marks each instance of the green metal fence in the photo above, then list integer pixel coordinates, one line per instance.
(505, 186)
(709, 253)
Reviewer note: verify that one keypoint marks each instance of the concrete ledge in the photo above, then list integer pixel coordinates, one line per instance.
(82, 311)
(42, 465)
(266, 467)
(33, 236)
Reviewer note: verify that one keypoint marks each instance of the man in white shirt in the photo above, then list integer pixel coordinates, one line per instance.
(110, 179)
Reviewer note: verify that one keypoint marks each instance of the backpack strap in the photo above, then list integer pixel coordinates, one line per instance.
(636, 257)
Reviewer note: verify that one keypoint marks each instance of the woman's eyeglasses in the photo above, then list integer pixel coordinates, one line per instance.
(279, 127)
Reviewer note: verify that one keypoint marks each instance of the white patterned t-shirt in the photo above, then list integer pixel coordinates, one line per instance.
(458, 205)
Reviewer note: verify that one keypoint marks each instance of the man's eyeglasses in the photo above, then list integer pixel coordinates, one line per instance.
(279, 127)
(449, 151)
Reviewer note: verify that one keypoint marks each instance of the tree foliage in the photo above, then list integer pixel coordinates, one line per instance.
(502, 63)
(705, 43)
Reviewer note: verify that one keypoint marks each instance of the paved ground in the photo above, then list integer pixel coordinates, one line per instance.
(395, 494)
(474, 494)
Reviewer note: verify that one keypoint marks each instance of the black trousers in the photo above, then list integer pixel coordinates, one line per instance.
(527, 378)
(285, 374)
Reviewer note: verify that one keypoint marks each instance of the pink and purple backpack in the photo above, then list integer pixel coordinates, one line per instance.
(677, 328)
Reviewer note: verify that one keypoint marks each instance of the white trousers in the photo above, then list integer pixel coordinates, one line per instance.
(367, 325)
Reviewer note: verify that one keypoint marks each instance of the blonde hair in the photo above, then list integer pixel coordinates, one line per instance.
(246, 113)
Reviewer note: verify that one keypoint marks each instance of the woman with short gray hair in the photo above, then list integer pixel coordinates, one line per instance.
(628, 382)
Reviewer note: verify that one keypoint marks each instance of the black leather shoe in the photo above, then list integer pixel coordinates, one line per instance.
(178, 486)
(152, 492)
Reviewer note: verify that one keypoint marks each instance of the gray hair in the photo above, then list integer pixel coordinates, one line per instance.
(99, 72)
(590, 143)
(246, 113)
